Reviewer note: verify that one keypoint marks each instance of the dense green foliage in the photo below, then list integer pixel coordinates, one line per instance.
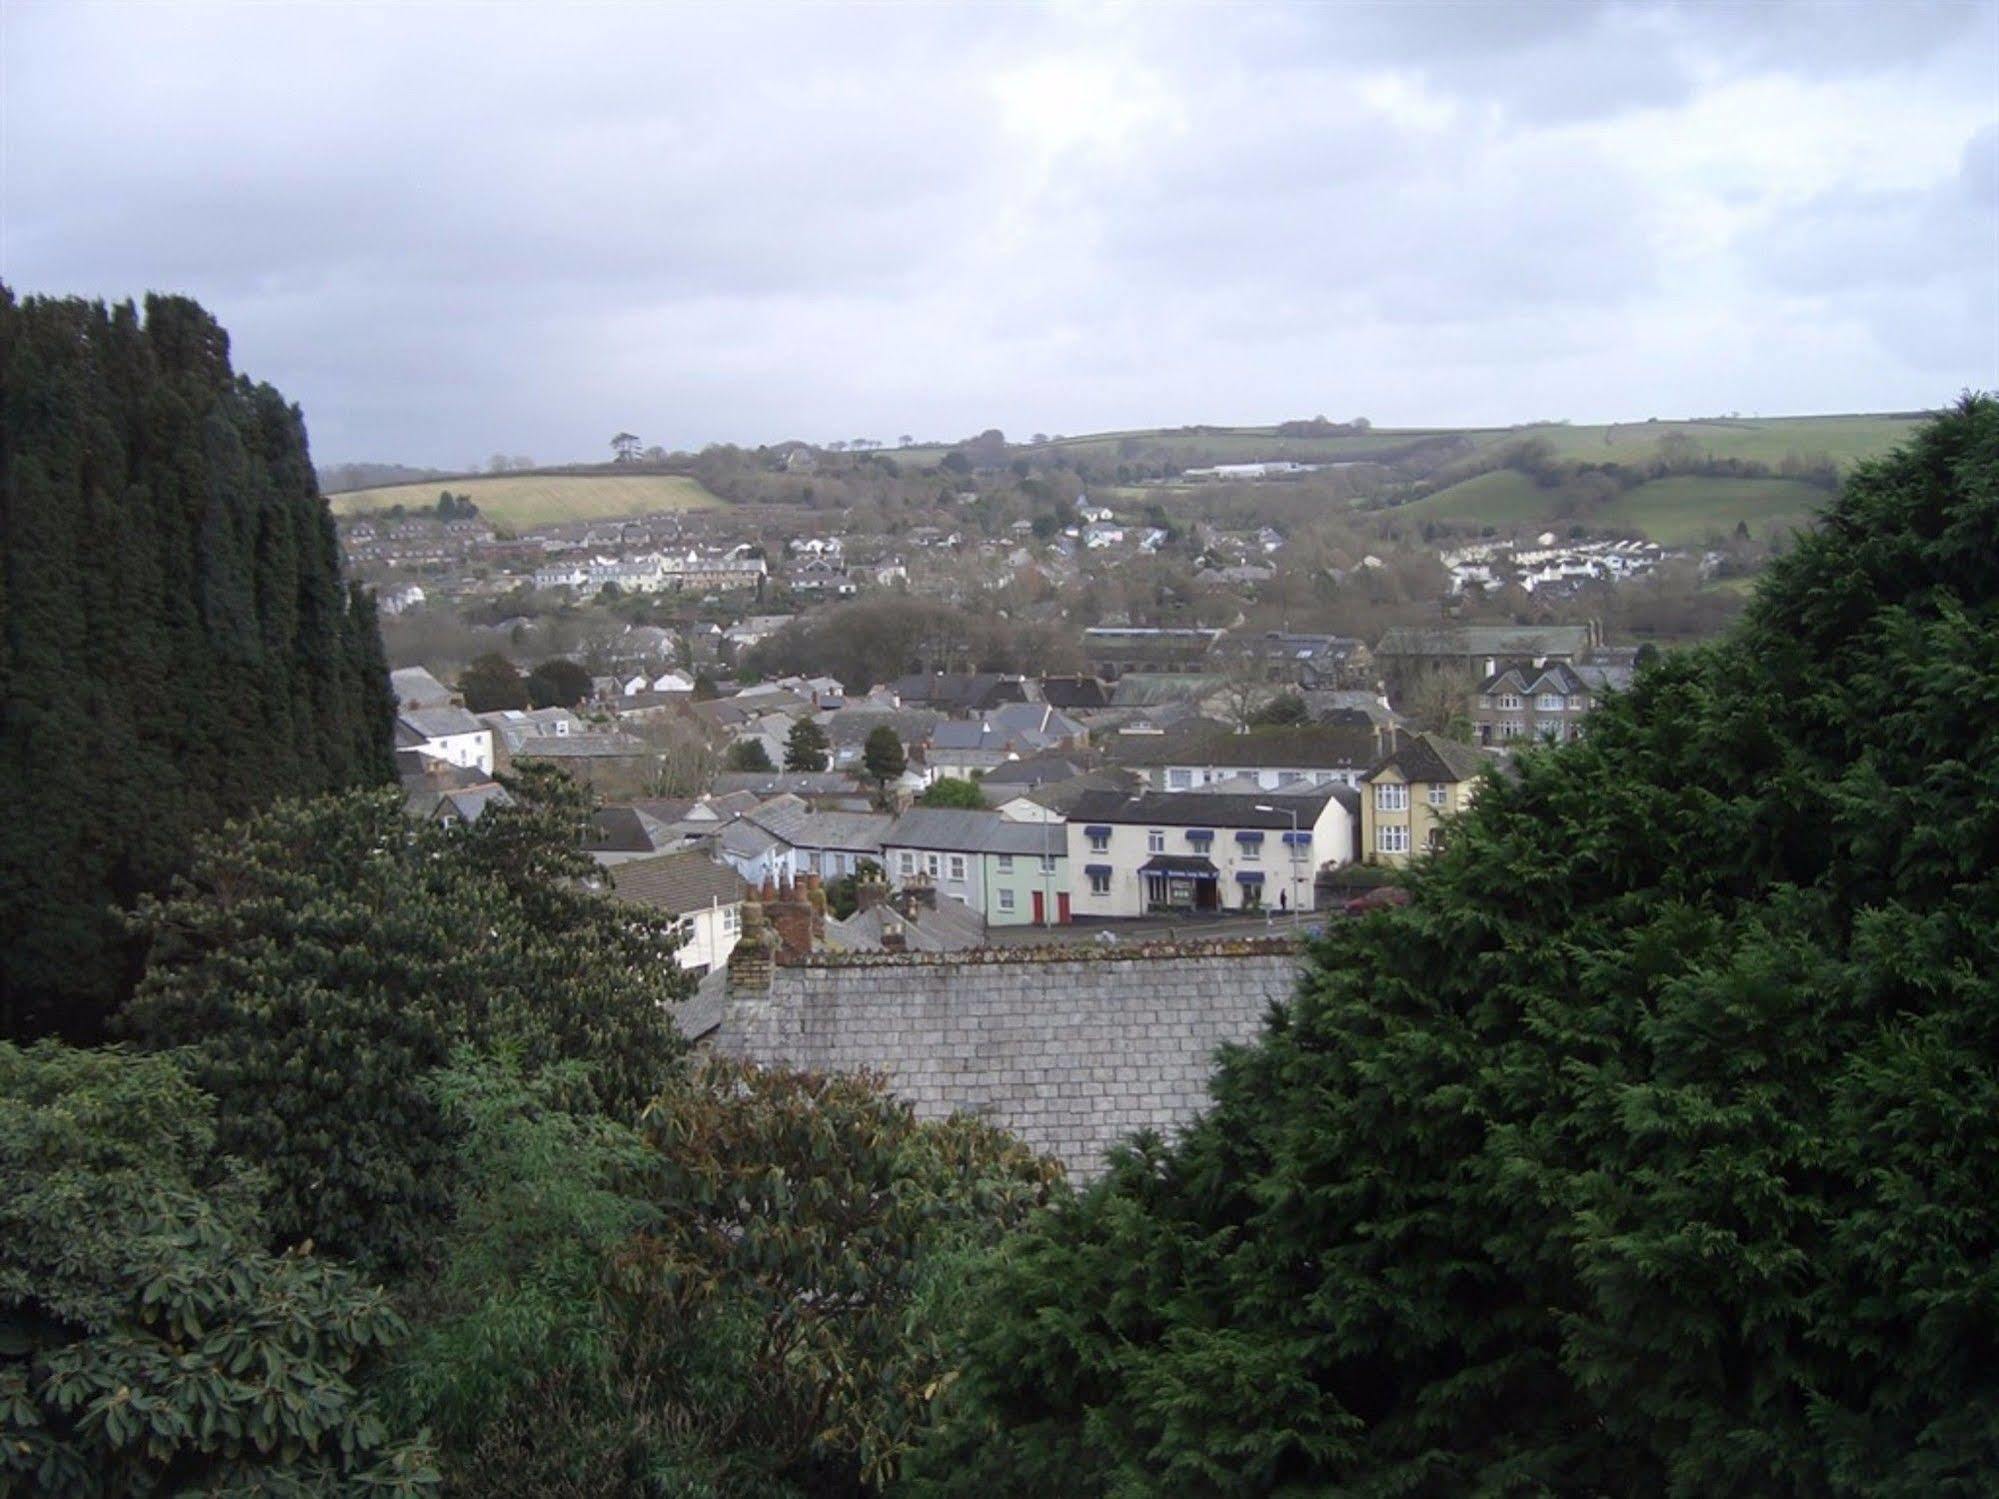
(176, 643)
(149, 1341)
(491, 684)
(1652, 1149)
(882, 755)
(953, 791)
(557, 682)
(725, 1302)
(321, 960)
(748, 755)
(807, 747)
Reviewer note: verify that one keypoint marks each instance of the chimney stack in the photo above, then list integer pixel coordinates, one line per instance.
(750, 960)
(790, 918)
(869, 891)
(815, 897)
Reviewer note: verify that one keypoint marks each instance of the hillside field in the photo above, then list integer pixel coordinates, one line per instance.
(542, 499)
(1844, 439)
(1680, 511)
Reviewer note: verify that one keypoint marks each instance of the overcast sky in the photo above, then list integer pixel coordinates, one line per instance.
(450, 230)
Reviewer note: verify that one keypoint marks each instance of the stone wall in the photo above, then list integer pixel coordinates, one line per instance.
(1072, 1049)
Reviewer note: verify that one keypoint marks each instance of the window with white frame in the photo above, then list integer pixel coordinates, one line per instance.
(1511, 728)
(1155, 840)
(1100, 840)
(1006, 863)
(1509, 701)
(1179, 780)
(1391, 840)
(1298, 851)
(1048, 864)
(1006, 900)
(1100, 882)
(907, 861)
(930, 866)
(1249, 853)
(732, 919)
(1391, 796)
(957, 866)
(1551, 702)
(1440, 794)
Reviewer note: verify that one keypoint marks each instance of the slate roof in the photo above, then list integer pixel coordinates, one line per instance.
(622, 830)
(1525, 677)
(1307, 746)
(1202, 809)
(1181, 743)
(853, 725)
(972, 693)
(846, 832)
(782, 782)
(950, 927)
(1074, 692)
(1426, 757)
(677, 883)
(580, 746)
(436, 723)
(963, 831)
(1035, 770)
(1450, 642)
(1062, 796)
(746, 840)
(416, 688)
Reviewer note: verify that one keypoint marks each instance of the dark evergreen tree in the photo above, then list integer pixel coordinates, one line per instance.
(882, 755)
(177, 645)
(493, 683)
(319, 962)
(558, 682)
(748, 755)
(806, 747)
(1652, 1149)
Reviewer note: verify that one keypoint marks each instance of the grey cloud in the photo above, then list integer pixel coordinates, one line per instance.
(447, 230)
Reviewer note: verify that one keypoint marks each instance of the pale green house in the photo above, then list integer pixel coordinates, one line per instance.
(1027, 874)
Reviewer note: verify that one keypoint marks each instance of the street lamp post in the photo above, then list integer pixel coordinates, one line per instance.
(1290, 851)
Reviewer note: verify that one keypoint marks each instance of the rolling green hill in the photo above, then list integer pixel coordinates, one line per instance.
(1679, 511)
(542, 499)
(1844, 439)
(1684, 511)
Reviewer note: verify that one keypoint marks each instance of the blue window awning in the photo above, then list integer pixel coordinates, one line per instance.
(1098, 831)
(1102, 869)
(1200, 835)
(1249, 877)
(1302, 838)
(1249, 837)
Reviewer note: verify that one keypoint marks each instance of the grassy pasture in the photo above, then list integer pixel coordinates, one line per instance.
(542, 499)
(1673, 512)
(1844, 439)
(1685, 510)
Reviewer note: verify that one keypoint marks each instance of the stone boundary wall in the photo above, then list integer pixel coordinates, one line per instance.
(1070, 1048)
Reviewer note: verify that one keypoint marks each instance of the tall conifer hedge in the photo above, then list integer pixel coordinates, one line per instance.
(1652, 1149)
(177, 645)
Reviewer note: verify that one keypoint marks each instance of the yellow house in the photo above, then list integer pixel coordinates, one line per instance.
(1405, 799)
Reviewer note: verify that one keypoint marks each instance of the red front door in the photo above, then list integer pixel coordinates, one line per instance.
(1061, 908)
(1040, 910)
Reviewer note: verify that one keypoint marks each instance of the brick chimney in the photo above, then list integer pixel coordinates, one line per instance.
(750, 960)
(869, 893)
(815, 896)
(790, 917)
